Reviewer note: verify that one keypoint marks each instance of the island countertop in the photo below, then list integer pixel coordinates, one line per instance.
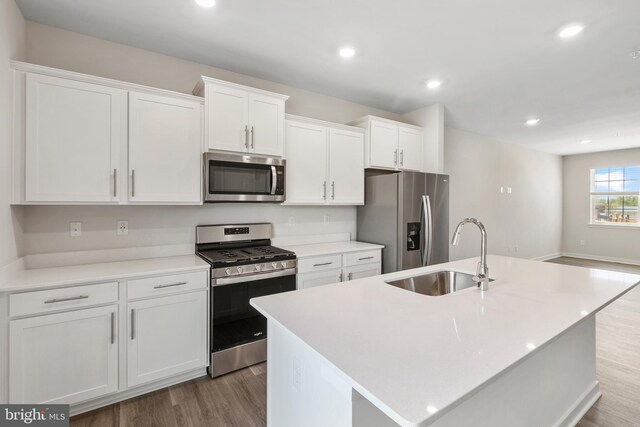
(415, 356)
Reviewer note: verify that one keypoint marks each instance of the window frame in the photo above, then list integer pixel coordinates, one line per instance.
(593, 193)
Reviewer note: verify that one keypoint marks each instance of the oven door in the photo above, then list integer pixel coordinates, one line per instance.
(239, 178)
(234, 321)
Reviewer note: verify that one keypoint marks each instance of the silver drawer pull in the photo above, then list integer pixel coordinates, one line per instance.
(367, 257)
(350, 276)
(324, 263)
(113, 327)
(54, 300)
(169, 286)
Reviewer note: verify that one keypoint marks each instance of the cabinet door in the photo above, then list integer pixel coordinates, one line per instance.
(346, 167)
(266, 121)
(306, 154)
(362, 271)
(227, 118)
(410, 145)
(64, 358)
(73, 135)
(164, 149)
(320, 278)
(166, 336)
(383, 150)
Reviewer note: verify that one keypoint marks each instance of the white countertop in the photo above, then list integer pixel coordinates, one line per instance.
(415, 356)
(41, 278)
(318, 249)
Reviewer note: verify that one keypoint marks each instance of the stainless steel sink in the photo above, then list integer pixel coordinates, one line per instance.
(436, 283)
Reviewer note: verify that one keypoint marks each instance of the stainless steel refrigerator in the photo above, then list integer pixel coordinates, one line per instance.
(408, 213)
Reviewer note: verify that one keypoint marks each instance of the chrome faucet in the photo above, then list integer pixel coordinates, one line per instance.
(482, 272)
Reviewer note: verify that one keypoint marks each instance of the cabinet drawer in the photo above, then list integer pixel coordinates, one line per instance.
(326, 262)
(161, 285)
(358, 258)
(62, 299)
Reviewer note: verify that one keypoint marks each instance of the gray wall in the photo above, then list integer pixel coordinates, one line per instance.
(602, 242)
(525, 223)
(12, 46)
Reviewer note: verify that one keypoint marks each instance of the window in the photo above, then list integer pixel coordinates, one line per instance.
(614, 196)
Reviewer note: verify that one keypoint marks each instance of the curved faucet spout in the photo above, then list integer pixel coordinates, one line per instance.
(482, 272)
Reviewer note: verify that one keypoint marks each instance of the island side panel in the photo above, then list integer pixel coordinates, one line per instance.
(555, 386)
(302, 388)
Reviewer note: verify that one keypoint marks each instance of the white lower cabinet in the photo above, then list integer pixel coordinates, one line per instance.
(166, 336)
(338, 267)
(65, 357)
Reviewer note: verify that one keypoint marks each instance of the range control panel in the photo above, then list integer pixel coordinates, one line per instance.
(236, 230)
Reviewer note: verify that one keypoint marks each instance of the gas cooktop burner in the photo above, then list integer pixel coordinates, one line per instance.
(239, 256)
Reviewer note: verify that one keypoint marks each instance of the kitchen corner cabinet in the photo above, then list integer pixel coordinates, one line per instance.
(242, 119)
(391, 145)
(73, 135)
(65, 357)
(324, 163)
(164, 149)
(81, 139)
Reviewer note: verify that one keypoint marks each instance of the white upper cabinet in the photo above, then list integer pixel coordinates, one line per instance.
(73, 134)
(306, 154)
(324, 163)
(346, 167)
(164, 149)
(392, 145)
(242, 119)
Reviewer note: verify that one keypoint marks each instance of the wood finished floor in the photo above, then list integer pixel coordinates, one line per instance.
(239, 399)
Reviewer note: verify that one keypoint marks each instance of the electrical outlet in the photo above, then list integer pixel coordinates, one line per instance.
(292, 221)
(123, 228)
(75, 229)
(327, 219)
(583, 242)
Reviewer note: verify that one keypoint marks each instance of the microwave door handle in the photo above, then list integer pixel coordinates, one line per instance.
(274, 179)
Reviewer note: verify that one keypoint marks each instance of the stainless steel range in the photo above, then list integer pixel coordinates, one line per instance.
(244, 265)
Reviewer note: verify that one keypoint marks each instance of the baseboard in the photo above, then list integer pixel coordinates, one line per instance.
(547, 257)
(90, 405)
(582, 405)
(601, 258)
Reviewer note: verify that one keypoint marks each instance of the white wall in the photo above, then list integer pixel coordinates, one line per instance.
(600, 242)
(525, 223)
(12, 46)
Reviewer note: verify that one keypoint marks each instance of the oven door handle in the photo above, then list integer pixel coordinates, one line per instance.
(252, 278)
(274, 180)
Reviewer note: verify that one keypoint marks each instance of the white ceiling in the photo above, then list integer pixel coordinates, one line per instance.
(500, 60)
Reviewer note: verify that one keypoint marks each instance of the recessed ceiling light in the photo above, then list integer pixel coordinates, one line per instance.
(434, 84)
(570, 30)
(206, 3)
(585, 141)
(532, 122)
(347, 52)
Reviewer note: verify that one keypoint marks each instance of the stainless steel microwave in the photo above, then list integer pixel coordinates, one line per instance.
(243, 178)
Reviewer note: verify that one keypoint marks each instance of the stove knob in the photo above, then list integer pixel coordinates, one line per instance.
(228, 271)
(257, 267)
(239, 269)
(284, 264)
(274, 265)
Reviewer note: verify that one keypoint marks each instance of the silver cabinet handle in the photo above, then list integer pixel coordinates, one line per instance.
(395, 157)
(349, 276)
(324, 191)
(133, 321)
(252, 137)
(169, 286)
(246, 137)
(340, 277)
(333, 190)
(115, 182)
(54, 300)
(113, 327)
(323, 263)
(367, 257)
(133, 182)
(402, 157)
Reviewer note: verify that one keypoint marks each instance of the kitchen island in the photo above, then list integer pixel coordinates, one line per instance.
(365, 353)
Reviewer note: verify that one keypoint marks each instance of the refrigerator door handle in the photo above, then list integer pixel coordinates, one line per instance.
(426, 253)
